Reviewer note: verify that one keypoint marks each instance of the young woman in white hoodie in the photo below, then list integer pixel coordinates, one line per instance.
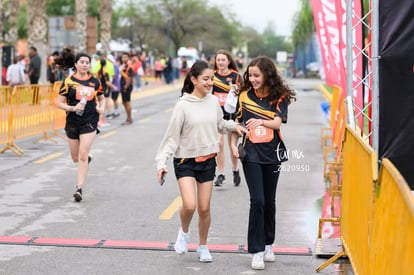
(192, 137)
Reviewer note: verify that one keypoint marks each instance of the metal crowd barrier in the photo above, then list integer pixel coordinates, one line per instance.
(391, 241)
(26, 111)
(359, 173)
(377, 213)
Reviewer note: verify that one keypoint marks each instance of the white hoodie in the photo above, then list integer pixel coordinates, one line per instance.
(194, 129)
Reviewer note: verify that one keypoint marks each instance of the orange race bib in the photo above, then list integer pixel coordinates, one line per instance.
(261, 134)
(85, 91)
(221, 97)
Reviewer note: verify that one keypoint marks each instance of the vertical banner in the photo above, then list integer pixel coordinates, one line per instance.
(396, 85)
(357, 66)
(324, 13)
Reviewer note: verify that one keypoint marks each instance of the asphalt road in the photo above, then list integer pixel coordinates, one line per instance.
(123, 201)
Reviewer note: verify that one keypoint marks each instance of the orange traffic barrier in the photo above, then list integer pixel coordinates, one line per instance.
(359, 172)
(391, 242)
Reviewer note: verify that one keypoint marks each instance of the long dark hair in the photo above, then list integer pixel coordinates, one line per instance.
(232, 65)
(272, 82)
(67, 59)
(198, 67)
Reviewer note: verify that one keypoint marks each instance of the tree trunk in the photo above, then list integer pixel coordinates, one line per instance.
(13, 17)
(81, 24)
(105, 13)
(37, 29)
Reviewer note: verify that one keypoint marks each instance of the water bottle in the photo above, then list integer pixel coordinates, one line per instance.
(83, 102)
(231, 100)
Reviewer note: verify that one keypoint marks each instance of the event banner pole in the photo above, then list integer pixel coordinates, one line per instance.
(349, 58)
(375, 74)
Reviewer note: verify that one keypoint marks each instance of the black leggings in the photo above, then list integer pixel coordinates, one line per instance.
(262, 182)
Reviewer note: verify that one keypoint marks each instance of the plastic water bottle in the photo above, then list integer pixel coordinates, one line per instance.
(83, 102)
(231, 100)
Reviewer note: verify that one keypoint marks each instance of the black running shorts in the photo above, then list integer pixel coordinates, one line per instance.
(74, 130)
(126, 95)
(201, 171)
(114, 95)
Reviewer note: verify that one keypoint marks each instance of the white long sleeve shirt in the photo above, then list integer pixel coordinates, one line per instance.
(15, 75)
(194, 129)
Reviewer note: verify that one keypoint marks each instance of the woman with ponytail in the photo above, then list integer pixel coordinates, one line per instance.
(192, 137)
(82, 98)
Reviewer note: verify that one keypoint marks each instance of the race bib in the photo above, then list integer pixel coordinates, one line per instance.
(221, 97)
(261, 134)
(85, 91)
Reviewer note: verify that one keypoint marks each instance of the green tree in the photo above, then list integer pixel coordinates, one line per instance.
(254, 41)
(303, 29)
(273, 43)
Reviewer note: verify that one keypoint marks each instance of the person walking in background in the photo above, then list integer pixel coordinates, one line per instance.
(116, 85)
(226, 77)
(138, 72)
(168, 70)
(106, 83)
(196, 114)
(78, 96)
(33, 72)
(263, 107)
(127, 75)
(158, 68)
(34, 66)
(176, 64)
(15, 74)
(53, 73)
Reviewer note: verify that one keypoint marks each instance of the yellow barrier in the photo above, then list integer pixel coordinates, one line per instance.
(392, 238)
(32, 108)
(29, 110)
(58, 116)
(359, 172)
(6, 119)
(333, 116)
(338, 136)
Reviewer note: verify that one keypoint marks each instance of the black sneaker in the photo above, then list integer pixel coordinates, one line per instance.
(78, 194)
(115, 115)
(236, 178)
(220, 180)
(89, 159)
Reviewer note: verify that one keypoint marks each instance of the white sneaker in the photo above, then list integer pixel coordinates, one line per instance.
(181, 242)
(203, 254)
(257, 261)
(269, 256)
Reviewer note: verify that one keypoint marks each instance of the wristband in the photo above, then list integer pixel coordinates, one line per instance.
(261, 122)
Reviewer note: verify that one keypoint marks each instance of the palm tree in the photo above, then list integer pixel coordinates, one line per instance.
(105, 14)
(81, 24)
(36, 30)
(13, 18)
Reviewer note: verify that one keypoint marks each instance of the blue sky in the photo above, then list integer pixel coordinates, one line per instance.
(258, 13)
